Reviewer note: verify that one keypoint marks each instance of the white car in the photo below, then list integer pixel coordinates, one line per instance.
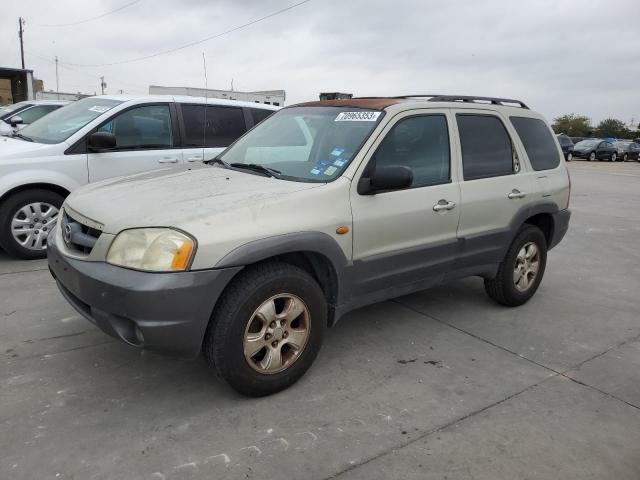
(325, 207)
(102, 137)
(19, 115)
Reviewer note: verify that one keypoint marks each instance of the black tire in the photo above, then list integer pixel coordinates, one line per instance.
(613, 157)
(502, 288)
(223, 343)
(592, 157)
(10, 207)
(569, 156)
(625, 157)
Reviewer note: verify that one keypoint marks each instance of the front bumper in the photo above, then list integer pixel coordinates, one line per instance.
(166, 312)
(560, 227)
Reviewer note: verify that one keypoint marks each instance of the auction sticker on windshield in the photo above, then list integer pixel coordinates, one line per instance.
(357, 116)
(99, 109)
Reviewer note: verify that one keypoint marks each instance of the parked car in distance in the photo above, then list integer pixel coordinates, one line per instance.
(322, 208)
(579, 139)
(566, 145)
(628, 150)
(102, 137)
(25, 113)
(595, 149)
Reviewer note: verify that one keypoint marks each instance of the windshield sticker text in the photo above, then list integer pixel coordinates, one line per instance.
(357, 116)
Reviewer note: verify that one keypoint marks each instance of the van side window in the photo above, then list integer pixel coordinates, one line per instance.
(223, 125)
(487, 150)
(259, 114)
(420, 143)
(538, 142)
(142, 127)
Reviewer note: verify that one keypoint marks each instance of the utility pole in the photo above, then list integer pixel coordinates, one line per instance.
(57, 79)
(20, 34)
(103, 84)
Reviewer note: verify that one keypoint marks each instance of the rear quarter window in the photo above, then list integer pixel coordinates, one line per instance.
(538, 142)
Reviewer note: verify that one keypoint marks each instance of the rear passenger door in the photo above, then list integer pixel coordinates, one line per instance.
(401, 237)
(495, 185)
(208, 130)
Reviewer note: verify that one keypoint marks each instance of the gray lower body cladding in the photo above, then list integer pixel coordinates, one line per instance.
(167, 312)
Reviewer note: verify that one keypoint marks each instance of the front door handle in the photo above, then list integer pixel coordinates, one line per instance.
(444, 205)
(515, 193)
(168, 160)
(194, 159)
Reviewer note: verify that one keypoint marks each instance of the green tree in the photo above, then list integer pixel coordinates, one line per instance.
(612, 127)
(572, 125)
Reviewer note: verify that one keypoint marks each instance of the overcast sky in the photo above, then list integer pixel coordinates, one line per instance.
(559, 56)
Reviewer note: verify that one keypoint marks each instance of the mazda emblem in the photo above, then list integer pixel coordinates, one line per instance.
(66, 233)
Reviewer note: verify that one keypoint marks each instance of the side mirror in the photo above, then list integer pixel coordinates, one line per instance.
(16, 120)
(102, 141)
(393, 177)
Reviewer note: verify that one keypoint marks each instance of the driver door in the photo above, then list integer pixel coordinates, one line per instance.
(408, 236)
(145, 140)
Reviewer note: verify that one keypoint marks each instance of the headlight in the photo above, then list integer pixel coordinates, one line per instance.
(152, 249)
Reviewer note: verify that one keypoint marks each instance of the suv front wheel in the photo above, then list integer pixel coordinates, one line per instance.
(267, 328)
(521, 271)
(26, 218)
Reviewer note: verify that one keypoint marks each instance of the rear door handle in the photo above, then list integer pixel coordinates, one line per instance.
(168, 160)
(444, 205)
(515, 193)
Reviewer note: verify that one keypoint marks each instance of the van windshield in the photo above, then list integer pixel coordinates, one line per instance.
(59, 125)
(308, 144)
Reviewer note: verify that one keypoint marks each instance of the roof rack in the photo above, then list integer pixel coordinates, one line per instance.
(470, 99)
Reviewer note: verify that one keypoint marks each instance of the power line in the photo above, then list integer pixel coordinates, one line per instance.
(89, 19)
(191, 44)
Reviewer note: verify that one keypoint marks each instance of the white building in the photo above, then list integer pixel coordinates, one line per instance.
(268, 97)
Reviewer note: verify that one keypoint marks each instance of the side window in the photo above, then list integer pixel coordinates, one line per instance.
(32, 114)
(142, 127)
(538, 142)
(259, 114)
(487, 150)
(420, 143)
(224, 126)
(193, 118)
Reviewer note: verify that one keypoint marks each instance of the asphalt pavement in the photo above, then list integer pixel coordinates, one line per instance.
(441, 384)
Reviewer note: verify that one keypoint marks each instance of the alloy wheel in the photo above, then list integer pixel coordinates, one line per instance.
(526, 267)
(32, 223)
(277, 333)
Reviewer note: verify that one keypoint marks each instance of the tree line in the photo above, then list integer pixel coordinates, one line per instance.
(580, 126)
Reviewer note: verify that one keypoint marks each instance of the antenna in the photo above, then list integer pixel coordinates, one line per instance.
(206, 103)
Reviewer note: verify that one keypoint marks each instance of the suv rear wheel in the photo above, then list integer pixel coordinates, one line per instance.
(521, 271)
(267, 328)
(26, 218)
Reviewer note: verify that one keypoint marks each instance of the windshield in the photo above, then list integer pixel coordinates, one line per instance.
(6, 111)
(309, 144)
(64, 122)
(587, 143)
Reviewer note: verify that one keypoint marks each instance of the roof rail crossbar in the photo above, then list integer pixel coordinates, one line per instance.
(469, 99)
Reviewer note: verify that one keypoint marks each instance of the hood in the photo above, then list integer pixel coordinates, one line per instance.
(16, 149)
(171, 198)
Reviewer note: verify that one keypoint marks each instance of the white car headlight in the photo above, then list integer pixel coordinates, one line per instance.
(152, 249)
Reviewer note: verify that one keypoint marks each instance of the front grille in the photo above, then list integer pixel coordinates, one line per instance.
(77, 236)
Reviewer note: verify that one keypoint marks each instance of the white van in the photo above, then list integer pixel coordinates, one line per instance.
(102, 137)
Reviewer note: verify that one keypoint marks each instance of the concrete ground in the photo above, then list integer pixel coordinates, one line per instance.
(442, 384)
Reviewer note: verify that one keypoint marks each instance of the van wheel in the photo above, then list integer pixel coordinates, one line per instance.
(267, 328)
(26, 218)
(521, 271)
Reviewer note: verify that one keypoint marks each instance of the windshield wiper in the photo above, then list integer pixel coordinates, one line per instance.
(24, 137)
(217, 161)
(269, 172)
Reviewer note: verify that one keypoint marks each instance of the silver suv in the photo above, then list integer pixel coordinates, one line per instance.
(322, 208)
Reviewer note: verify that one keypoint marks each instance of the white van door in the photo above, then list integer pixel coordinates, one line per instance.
(145, 140)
